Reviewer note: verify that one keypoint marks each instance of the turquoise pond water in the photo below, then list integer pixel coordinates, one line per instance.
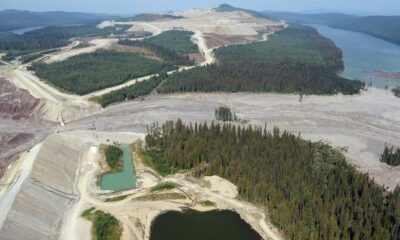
(363, 54)
(122, 180)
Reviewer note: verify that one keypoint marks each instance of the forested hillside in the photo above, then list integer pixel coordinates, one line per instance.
(173, 46)
(385, 27)
(15, 19)
(49, 37)
(296, 43)
(149, 17)
(296, 59)
(93, 71)
(309, 189)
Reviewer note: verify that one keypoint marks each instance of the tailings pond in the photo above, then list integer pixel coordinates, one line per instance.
(194, 225)
(122, 180)
(365, 57)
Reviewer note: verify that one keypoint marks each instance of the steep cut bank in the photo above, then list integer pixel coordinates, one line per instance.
(38, 207)
(21, 127)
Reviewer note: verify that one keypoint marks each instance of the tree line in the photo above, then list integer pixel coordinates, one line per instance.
(89, 72)
(50, 37)
(131, 92)
(297, 59)
(160, 51)
(396, 91)
(391, 156)
(308, 188)
(268, 76)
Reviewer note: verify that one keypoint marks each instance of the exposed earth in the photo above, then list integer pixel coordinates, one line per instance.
(49, 140)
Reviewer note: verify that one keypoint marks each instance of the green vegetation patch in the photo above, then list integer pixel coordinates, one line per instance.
(114, 159)
(296, 60)
(153, 159)
(294, 44)
(89, 72)
(224, 114)
(164, 186)
(149, 17)
(50, 38)
(175, 40)
(207, 203)
(162, 196)
(105, 226)
(116, 199)
(171, 46)
(33, 56)
(391, 156)
(308, 188)
(128, 93)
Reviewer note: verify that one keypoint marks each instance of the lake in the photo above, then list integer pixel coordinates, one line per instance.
(122, 180)
(365, 57)
(21, 31)
(194, 225)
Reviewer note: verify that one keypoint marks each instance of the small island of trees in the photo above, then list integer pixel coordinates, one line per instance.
(225, 114)
(391, 156)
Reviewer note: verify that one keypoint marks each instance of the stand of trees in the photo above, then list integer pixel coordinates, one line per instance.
(50, 38)
(268, 76)
(105, 226)
(224, 114)
(89, 72)
(114, 158)
(296, 43)
(396, 91)
(128, 93)
(309, 189)
(172, 46)
(391, 156)
(161, 52)
(296, 59)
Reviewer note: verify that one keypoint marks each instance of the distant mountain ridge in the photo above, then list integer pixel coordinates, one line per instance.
(14, 19)
(384, 27)
(230, 8)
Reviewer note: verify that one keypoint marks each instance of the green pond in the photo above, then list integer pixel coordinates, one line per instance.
(122, 180)
(194, 225)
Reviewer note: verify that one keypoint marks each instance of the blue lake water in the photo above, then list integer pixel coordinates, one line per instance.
(21, 31)
(363, 54)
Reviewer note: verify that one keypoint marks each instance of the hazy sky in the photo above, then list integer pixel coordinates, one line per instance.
(138, 6)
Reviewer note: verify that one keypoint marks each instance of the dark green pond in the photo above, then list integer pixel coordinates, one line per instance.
(194, 225)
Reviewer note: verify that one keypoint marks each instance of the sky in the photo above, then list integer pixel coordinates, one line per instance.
(386, 7)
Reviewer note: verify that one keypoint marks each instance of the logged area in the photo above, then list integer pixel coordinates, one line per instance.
(296, 59)
(308, 188)
(86, 73)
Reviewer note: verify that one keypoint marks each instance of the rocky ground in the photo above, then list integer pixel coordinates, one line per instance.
(20, 126)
